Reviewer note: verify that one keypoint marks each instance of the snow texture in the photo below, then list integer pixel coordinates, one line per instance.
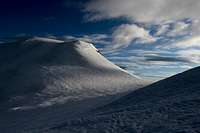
(168, 106)
(44, 82)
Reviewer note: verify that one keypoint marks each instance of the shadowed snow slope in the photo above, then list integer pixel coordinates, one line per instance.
(168, 106)
(42, 78)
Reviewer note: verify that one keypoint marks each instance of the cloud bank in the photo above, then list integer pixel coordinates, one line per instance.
(158, 35)
(190, 42)
(143, 10)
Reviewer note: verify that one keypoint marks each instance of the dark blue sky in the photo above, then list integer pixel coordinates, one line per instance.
(38, 17)
(41, 17)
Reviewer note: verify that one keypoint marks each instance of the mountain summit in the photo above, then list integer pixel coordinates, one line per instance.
(53, 77)
(46, 70)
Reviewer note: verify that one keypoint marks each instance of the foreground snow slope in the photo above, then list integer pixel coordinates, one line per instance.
(168, 106)
(43, 81)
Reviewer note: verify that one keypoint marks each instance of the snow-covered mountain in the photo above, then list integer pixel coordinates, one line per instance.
(44, 81)
(168, 106)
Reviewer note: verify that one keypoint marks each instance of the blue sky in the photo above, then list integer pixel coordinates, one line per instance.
(153, 39)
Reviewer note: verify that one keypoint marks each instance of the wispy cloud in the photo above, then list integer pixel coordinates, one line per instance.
(193, 55)
(168, 20)
(143, 10)
(92, 38)
(127, 33)
(189, 42)
(174, 29)
(161, 35)
(97, 38)
(165, 59)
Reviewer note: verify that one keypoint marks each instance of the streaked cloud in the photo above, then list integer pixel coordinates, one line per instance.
(190, 42)
(143, 10)
(157, 38)
(165, 59)
(192, 55)
(174, 29)
(97, 38)
(92, 38)
(173, 23)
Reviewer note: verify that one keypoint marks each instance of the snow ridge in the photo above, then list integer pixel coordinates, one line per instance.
(45, 79)
(171, 105)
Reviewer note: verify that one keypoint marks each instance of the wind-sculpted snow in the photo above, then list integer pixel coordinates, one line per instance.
(45, 81)
(168, 106)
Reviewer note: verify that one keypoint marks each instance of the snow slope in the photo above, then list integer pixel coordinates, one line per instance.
(42, 80)
(168, 106)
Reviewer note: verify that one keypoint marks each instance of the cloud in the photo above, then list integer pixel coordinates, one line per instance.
(192, 55)
(171, 28)
(162, 29)
(151, 21)
(92, 38)
(143, 10)
(143, 57)
(190, 42)
(174, 29)
(67, 37)
(179, 29)
(97, 38)
(157, 21)
(125, 34)
(152, 64)
(166, 59)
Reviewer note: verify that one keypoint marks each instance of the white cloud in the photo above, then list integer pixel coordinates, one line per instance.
(162, 29)
(179, 29)
(191, 54)
(127, 33)
(195, 27)
(93, 38)
(174, 29)
(97, 38)
(174, 18)
(143, 10)
(191, 42)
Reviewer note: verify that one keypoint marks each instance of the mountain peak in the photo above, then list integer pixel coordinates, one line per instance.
(52, 67)
(43, 40)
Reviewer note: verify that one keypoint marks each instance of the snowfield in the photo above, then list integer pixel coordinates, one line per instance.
(168, 106)
(44, 82)
(55, 86)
